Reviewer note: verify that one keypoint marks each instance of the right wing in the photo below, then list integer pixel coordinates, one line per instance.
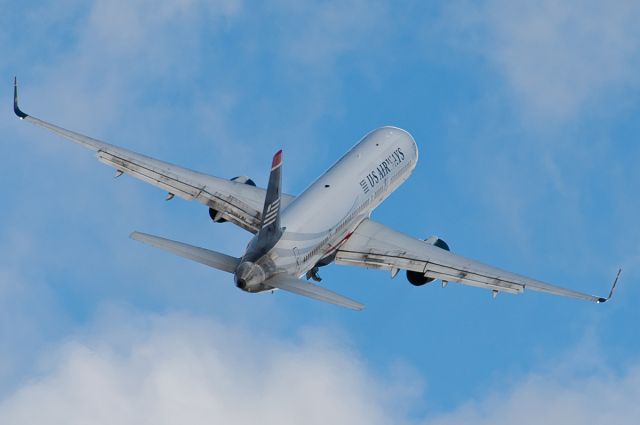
(239, 203)
(375, 245)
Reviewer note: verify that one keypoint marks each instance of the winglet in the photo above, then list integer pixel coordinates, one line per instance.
(613, 288)
(16, 108)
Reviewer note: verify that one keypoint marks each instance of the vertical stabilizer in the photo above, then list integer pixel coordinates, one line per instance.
(271, 231)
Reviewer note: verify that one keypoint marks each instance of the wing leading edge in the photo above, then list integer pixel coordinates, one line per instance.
(240, 203)
(374, 245)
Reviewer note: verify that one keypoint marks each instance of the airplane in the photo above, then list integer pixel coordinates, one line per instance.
(329, 222)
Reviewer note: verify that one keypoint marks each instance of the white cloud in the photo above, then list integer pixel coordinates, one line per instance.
(558, 81)
(317, 34)
(593, 400)
(185, 370)
(159, 38)
(131, 369)
(556, 57)
(26, 309)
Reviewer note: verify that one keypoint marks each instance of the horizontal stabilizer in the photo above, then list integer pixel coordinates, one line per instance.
(300, 287)
(204, 256)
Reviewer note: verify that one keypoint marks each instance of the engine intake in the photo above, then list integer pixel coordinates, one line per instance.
(419, 279)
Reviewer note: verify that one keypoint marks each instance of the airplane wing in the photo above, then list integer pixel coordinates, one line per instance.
(239, 203)
(307, 289)
(374, 245)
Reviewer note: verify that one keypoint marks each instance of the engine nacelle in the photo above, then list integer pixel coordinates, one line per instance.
(419, 279)
(215, 215)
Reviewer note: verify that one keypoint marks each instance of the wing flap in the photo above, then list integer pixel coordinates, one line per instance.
(152, 176)
(374, 259)
(307, 289)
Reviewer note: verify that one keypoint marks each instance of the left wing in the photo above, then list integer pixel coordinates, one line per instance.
(237, 202)
(374, 245)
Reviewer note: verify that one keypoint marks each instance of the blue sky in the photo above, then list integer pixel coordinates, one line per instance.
(526, 121)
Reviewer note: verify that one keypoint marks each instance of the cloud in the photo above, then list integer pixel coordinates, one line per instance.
(557, 58)
(557, 83)
(317, 34)
(188, 370)
(594, 400)
(26, 326)
(137, 369)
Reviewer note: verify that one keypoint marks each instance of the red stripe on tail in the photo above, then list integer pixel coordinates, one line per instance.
(277, 159)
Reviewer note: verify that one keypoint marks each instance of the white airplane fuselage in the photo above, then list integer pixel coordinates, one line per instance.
(324, 216)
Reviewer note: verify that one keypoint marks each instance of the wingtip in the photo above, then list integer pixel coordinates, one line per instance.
(613, 289)
(353, 305)
(615, 284)
(16, 108)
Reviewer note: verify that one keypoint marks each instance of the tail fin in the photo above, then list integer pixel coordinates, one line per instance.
(271, 231)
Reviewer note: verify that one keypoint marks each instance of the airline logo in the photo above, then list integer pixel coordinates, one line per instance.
(377, 175)
(272, 213)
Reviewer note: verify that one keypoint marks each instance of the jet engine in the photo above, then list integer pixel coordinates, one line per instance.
(215, 215)
(419, 279)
